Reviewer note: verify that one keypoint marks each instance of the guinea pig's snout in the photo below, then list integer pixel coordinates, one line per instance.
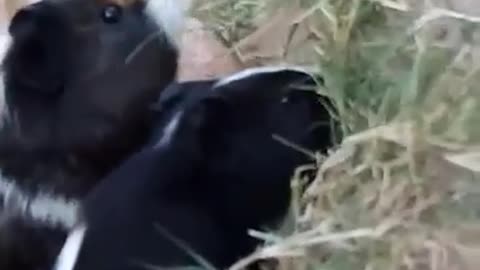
(32, 18)
(37, 56)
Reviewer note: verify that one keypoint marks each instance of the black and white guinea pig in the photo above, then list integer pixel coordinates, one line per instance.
(211, 171)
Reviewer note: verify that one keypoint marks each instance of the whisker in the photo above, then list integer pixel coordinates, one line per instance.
(142, 45)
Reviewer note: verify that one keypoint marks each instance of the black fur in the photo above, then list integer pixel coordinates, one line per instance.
(28, 245)
(77, 92)
(220, 174)
(77, 106)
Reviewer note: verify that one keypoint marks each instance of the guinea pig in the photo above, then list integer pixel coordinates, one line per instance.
(77, 80)
(260, 125)
(265, 122)
(210, 172)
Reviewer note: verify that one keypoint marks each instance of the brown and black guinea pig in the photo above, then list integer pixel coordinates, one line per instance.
(78, 77)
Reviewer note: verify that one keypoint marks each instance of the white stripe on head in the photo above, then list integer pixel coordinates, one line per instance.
(68, 256)
(43, 207)
(169, 15)
(249, 72)
(169, 130)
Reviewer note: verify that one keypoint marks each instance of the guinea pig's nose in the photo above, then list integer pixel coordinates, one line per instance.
(29, 18)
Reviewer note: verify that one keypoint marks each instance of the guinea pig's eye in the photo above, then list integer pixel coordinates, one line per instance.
(111, 13)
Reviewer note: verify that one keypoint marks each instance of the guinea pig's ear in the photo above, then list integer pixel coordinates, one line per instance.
(199, 107)
(209, 114)
(260, 86)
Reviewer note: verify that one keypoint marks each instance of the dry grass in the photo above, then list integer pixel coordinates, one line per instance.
(401, 191)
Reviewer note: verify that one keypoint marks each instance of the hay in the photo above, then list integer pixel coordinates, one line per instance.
(401, 191)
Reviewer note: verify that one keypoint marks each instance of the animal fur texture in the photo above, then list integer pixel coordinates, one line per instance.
(77, 80)
(211, 171)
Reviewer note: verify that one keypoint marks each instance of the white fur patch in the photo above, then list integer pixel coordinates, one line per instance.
(169, 16)
(249, 72)
(169, 130)
(5, 41)
(68, 256)
(43, 207)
